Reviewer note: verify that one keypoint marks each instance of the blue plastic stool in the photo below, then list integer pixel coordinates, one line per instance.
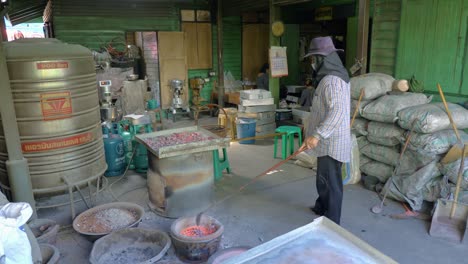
(220, 164)
(289, 132)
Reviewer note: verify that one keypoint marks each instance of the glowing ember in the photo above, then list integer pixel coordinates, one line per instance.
(176, 139)
(197, 231)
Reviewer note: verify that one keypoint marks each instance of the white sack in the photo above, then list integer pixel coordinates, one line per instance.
(14, 243)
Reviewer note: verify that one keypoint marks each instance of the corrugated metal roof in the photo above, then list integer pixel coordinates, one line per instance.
(237, 7)
(112, 8)
(25, 10)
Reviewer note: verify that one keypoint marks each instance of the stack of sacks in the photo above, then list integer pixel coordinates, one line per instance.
(377, 114)
(385, 118)
(432, 139)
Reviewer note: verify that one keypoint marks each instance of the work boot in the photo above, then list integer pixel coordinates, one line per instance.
(317, 211)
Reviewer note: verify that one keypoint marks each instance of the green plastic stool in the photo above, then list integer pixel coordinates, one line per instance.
(220, 164)
(289, 131)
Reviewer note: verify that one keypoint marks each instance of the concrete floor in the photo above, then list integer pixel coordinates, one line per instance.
(275, 205)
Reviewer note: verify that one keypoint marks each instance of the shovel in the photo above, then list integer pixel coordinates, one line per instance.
(378, 208)
(449, 222)
(450, 217)
(456, 151)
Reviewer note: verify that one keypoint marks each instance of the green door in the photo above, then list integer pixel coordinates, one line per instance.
(464, 50)
(429, 43)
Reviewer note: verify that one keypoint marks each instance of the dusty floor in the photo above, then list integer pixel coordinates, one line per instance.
(271, 207)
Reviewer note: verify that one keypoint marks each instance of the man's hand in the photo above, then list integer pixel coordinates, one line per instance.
(309, 143)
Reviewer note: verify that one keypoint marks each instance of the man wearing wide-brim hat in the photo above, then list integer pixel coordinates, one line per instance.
(329, 132)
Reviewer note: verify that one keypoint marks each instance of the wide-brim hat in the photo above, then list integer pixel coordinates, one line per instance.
(321, 46)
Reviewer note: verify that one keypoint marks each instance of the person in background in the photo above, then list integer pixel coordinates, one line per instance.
(307, 94)
(263, 77)
(18, 35)
(329, 133)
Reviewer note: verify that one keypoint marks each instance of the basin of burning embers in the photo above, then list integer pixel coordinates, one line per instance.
(196, 243)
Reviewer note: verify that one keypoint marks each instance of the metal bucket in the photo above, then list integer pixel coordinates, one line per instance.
(181, 185)
(57, 109)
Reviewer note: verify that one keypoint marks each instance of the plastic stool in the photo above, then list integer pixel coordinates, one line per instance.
(158, 115)
(220, 164)
(289, 132)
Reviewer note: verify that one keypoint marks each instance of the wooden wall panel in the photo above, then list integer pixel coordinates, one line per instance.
(191, 44)
(255, 45)
(205, 49)
(173, 64)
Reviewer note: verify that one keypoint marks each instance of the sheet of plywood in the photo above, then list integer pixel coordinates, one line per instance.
(205, 52)
(191, 44)
(172, 63)
(199, 45)
(255, 45)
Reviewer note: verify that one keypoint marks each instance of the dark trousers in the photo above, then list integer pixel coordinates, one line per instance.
(329, 188)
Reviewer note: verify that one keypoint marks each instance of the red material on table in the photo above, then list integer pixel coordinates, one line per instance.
(176, 139)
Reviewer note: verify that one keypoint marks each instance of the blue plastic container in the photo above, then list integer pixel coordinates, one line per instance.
(115, 155)
(246, 128)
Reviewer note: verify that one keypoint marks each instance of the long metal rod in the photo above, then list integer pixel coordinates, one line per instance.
(258, 137)
(17, 166)
(255, 179)
(220, 54)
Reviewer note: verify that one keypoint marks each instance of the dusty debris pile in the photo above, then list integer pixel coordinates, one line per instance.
(107, 220)
(385, 119)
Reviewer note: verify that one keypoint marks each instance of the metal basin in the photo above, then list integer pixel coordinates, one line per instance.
(79, 226)
(132, 245)
(45, 230)
(50, 254)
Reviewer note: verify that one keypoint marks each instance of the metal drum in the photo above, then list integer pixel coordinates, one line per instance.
(181, 185)
(57, 109)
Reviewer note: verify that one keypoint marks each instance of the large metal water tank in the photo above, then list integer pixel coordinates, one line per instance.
(57, 109)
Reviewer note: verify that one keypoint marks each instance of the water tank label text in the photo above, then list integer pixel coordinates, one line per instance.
(59, 143)
(52, 65)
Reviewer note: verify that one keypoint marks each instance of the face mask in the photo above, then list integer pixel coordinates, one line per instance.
(315, 63)
(314, 66)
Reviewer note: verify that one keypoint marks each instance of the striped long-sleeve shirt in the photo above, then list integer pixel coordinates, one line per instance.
(330, 120)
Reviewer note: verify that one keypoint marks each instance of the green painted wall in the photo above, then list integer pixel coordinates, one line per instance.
(385, 28)
(232, 45)
(232, 52)
(290, 39)
(433, 46)
(94, 32)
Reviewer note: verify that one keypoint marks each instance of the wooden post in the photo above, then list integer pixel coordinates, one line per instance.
(274, 83)
(3, 34)
(220, 55)
(363, 34)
